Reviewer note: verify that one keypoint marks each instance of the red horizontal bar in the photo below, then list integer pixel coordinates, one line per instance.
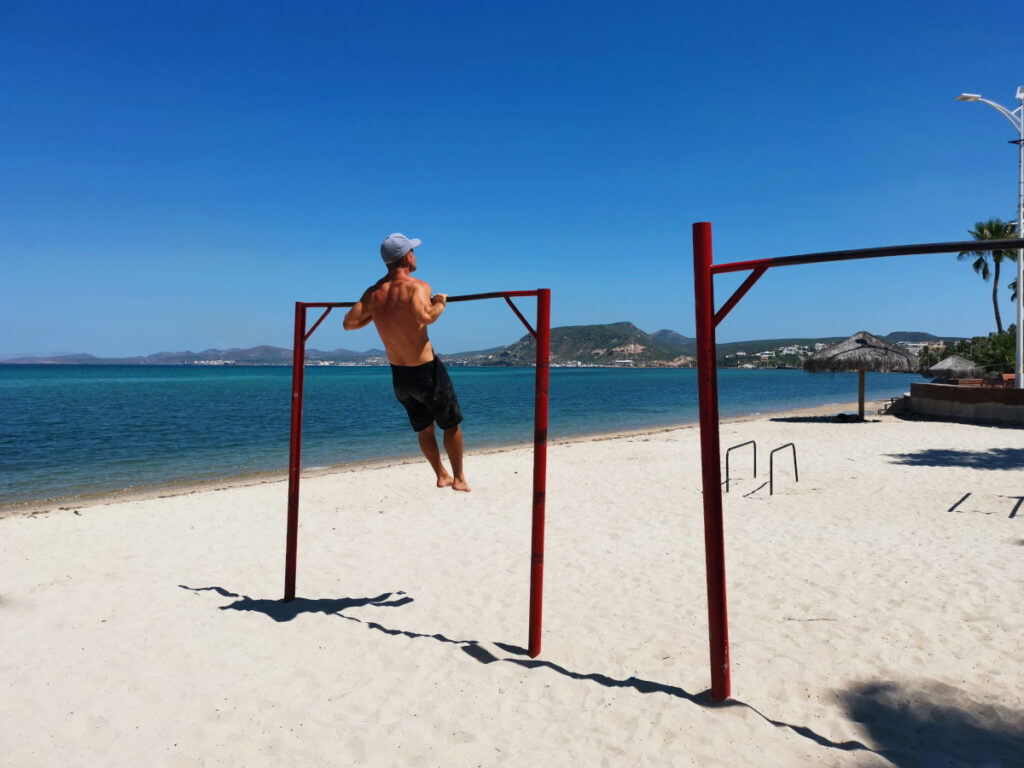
(870, 253)
(468, 297)
(495, 295)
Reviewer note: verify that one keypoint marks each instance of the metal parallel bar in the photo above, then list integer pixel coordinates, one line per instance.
(711, 457)
(317, 323)
(520, 316)
(771, 467)
(540, 442)
(752, 278)
(730, 450)
(870, 253)
(295, 451)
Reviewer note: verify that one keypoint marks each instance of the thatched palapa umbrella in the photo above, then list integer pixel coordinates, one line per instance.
(861, 352)
(954, 367)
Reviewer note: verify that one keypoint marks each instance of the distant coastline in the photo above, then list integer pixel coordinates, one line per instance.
(615, 345)
(450, 362)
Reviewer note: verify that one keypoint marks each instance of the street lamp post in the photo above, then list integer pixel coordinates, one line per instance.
(1016, 118)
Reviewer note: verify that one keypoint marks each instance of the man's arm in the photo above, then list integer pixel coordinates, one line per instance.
(427, 309)
(358, 317)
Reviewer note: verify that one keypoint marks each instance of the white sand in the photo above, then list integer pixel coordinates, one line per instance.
(869, 625)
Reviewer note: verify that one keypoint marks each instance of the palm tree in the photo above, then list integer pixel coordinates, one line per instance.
(993, 229)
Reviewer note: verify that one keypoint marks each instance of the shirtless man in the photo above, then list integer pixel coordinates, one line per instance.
(401, 307)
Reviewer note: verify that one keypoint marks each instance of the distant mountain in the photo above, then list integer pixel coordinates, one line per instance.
(676, 341)
(16, 355)
(77, 359)
(917, 336)
(261, 355)
(585, 344)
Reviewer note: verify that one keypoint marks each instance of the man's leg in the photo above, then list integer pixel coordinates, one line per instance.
(428, 444)
(453, 447)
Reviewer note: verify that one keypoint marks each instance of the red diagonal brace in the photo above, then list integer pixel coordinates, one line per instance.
(752, 278)
(317, 323)
(520, 316)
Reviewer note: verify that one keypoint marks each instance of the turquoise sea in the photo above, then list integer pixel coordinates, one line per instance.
(67, 431)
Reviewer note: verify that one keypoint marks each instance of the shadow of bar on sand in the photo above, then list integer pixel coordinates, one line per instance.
(280, 611)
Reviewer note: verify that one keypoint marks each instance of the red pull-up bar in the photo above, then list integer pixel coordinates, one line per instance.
(540, 435)
(707, 384)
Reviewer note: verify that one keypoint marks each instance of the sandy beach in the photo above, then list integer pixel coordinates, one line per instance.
(876, 611)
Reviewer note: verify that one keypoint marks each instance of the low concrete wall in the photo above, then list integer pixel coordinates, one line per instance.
(993, 404)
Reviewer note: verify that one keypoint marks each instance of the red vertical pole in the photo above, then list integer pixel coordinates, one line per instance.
(711, 453)
(540, 464)
(295, 452)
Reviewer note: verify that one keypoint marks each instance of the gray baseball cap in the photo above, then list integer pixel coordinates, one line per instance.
(396, 245)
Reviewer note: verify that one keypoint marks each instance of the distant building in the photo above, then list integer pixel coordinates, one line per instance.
(916, 347)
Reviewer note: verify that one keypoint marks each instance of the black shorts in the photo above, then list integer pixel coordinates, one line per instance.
(427, 394)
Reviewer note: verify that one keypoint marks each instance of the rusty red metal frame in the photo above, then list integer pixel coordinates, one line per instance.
(707, 383)
(540, 435)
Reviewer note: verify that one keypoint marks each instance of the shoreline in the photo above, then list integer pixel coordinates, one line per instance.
(184, 487)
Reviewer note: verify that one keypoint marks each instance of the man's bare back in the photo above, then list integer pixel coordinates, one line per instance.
(401, 308)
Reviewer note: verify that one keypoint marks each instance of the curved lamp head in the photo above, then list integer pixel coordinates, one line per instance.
(969, 97)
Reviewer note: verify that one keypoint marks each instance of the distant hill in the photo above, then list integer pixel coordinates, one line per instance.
(584, 344)
(917, 336)
(261, 355)
(588, 345)
(77, 359)
(606, 344)
(676, 341)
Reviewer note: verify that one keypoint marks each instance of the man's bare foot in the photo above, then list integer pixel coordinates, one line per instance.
(460, 484)
(443, 481)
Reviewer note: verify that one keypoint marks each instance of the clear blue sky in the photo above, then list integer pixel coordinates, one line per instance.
(177, 174)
